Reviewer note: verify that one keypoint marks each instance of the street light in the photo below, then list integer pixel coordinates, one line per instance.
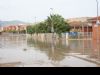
(35, 23)
(97, 22)
(0, 29)
(52, 26)
(26, 30)
(52, 31)
(35, 19)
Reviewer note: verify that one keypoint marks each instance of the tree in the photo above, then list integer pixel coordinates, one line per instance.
(55, 20)
(41, 27)
(30, 29)
(58, 22)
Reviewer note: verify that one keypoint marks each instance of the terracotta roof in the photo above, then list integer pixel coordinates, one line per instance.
(94, 19)
(77, 23)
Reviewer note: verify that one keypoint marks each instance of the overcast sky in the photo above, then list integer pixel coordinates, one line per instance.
(26, 10)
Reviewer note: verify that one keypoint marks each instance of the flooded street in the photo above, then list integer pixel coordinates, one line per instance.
(21, 51)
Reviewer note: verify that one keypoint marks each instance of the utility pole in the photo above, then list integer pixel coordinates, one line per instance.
(26, 29)
(52, 31)
(52, 26)
(97, 22)
(0, 29)
(35, 24)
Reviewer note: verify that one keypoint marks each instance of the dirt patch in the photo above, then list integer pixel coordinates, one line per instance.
(13, 64)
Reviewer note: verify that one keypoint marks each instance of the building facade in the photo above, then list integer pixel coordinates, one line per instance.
(95, 28)
(14, 28)
(80, 26)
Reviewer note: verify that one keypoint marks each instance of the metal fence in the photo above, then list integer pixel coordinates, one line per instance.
(80, 35)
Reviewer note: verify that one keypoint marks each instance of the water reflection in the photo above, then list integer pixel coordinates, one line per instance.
(10, 41)
(58, 49)
(55, 52)
(96, 49)
(48, 51)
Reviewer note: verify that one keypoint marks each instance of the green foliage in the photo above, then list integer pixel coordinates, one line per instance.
(41, 28)
(56, 21)
(59, 24)
(12, 31)
(23, 31)
(30, 29)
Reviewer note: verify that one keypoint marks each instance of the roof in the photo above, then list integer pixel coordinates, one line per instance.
(82, 19)
(94, 19)
(77, 23)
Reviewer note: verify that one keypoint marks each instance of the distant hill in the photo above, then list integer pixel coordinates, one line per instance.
(15, 22)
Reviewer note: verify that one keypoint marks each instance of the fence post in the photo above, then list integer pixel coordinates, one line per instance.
(67, 36)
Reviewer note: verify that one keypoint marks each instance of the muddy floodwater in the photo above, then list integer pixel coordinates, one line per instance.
(21, 51)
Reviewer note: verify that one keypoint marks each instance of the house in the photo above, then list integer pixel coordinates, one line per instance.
(81, 19)
(9, 28)
(80, 26)
(95, 28)
(15, 27)
(1, 29)
(96, 35)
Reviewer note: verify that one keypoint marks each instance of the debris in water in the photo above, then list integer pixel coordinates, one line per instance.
(25, 49)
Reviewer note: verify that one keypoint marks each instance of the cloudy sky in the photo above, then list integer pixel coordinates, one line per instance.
(27, 10)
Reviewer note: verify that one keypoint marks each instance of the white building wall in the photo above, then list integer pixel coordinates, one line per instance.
(1, 29)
